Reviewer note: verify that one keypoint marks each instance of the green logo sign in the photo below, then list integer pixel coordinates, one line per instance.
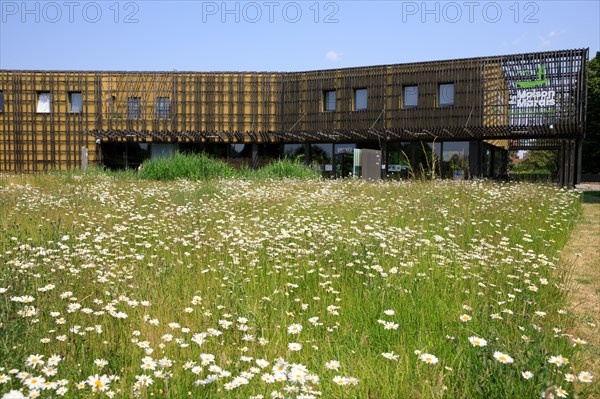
(526, 102)
(533, 83)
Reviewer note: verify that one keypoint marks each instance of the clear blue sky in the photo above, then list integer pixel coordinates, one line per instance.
(281, 35)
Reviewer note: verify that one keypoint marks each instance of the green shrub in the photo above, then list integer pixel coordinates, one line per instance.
(286, 169)
(204, 167)
(182, 166)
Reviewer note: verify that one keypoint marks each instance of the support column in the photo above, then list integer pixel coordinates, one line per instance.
(494, 173)
(504, 165)
(307, 155)
(254, 156)
(561, 164)
(569, 161)
(475, 159)
(384, 159)
(579, 149)
(99, 158)
(572, 163)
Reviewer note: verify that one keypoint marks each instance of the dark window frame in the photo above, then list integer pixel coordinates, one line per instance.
(439, 102)
(163, 107)
(71, 111)
(411, 106)
(327, 100)
(1, 101)
(39, 94)
(134, 108)
(354, 103)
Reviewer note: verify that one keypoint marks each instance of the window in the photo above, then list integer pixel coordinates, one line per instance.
(113, 106)
(1, 101)
(160, 151)
(75, 102)
(455, 159)
(360, 99)
(163, 107)
(329, 99)
(446, 95)
(295, 152)
(323, 155)
(133, 108)
(43, 104)
(411, 96)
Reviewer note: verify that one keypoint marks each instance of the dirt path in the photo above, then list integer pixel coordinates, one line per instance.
(582, 252)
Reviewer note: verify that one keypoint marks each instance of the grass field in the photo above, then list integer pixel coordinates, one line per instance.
(285, 289)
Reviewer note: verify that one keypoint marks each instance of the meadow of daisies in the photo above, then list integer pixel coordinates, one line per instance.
(116, 287)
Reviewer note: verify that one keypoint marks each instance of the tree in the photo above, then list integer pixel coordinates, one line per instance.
(537, 161)
(591, 143)
(543, 161)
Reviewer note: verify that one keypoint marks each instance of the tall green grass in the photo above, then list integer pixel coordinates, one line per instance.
(205, 167)
(183, 166)
(286, 169)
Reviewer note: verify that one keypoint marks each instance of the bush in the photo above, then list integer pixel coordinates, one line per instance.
(204, 167)
(286, 169)
(191, 167)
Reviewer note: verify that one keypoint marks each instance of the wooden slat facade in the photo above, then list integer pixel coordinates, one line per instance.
(286, 107)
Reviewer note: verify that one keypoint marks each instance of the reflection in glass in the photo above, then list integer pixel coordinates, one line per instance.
(411, 96)
(76, 101)
(43, 105)
(455, 159)
(344, 159)
(360, 99)
(329, 100)
(158, 150)
(240, 151)
(399, 159)
(446, 95)
(322, 154)
(163, 107)
(295, 152)
(426, 161)
(133, 107)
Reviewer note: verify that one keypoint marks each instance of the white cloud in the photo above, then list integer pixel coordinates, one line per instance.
(333, 55)
(546, 40)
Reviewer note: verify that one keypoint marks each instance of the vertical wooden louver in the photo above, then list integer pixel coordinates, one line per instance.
(285, 107)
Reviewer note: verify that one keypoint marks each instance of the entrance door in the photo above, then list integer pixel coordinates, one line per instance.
(343, 165)
(344, 160)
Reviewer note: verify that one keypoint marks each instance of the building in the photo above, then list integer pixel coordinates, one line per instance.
(456, 117)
